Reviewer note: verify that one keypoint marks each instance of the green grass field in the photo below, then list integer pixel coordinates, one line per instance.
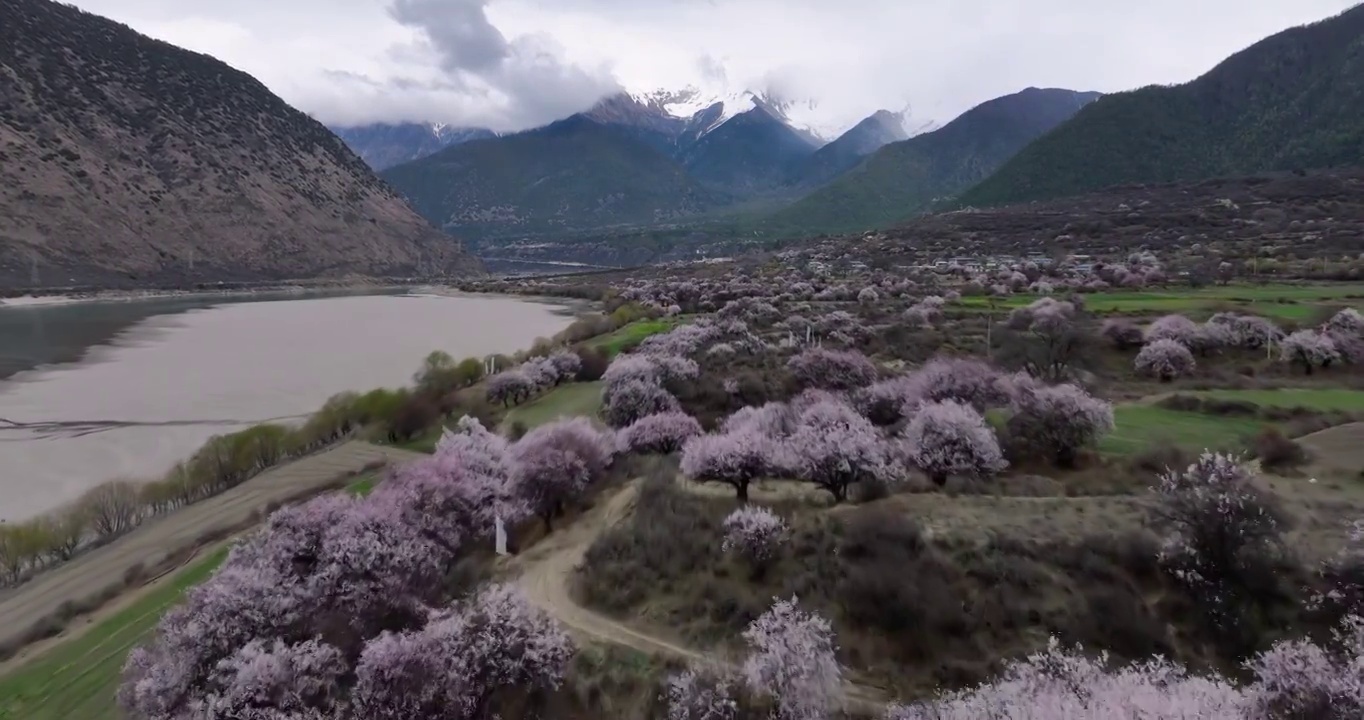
(1285, 302)
(564, 401)
(633, 334)
(1139, 426)
(1324, 399)
(77, 679)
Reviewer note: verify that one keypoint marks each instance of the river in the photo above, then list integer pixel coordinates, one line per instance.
(151, 380)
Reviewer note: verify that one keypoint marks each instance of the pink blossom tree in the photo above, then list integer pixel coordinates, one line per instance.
(1061, 683)
(1164, 359)
(832, 369)
(660, 434)
(1300, 679)
(965, 380)
(555, 463)
(736, 458)
(755, 534)
(1348, 322)
(1056, 421)
(833, 447)
(702, 694)
(1342, 575)
(335, 570)
(792, 660)
(1215, 522)
(1310, 349)
(628, 401)
(1174, 327)
(566, 365)
(463, 663)
(949, 438)
(510, 387)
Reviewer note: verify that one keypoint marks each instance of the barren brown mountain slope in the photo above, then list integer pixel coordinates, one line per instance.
(127, 161)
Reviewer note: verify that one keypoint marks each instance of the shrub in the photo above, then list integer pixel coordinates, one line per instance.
(755, 534)
(592, 363)
(1274, 451)
(1164, 359)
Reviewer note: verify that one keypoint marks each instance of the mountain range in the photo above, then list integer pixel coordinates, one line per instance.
(127, 161)
(639, 159)
(383, 145)
(1294, 100)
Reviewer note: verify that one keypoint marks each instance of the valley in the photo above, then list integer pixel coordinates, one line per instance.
(569, 362)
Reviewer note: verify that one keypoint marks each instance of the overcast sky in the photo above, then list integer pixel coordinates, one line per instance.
(512, 64)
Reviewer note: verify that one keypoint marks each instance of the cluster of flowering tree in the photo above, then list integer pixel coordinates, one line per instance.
(339, 608)
(635, 386)
(537, 374)
(1309, 349)
(832, 369)
(925, 312)
(1164, 359)
(792, 666)
(1294, 679)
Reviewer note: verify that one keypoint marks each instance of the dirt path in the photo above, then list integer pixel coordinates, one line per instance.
(93, 573)
(546, 571)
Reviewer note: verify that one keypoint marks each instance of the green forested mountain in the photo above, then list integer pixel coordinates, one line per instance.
(570, 175)
(1293, 100)
(904, 177)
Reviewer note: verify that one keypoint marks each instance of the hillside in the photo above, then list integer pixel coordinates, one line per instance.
(750, 154)
(127, 161)
(1294, 100)
(383, 145)
(904, 177)
(839, 156)
(570, 175)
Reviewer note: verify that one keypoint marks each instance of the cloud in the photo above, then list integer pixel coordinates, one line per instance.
(519, 83)
(513, 64)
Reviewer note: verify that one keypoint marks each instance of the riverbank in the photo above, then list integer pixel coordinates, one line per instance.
(67, 297)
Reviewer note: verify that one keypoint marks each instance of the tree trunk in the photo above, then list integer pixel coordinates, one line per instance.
(939, 479)
(741, 492)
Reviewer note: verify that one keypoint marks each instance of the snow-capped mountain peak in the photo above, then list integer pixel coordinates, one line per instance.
(690, 102)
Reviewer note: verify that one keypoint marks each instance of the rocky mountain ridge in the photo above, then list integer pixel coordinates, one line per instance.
(126, 161)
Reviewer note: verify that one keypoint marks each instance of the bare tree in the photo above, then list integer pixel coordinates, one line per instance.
(113, 507)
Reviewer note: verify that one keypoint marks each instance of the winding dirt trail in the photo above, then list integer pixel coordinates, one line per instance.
(545, 574)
